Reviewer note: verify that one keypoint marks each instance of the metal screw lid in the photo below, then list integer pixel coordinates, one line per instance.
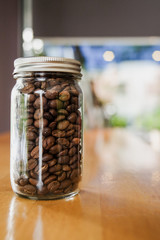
(47, 64)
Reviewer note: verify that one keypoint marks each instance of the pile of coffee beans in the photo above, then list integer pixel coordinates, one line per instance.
(53, 137)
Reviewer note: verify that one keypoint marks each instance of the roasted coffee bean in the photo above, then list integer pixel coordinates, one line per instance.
(31, 145)
(52, 125)
(58, 192)
(42, 122)
(29, 189)
(30, 110)
(63, 124)
(33, 181)
(72, 151)
(68, 189)
(56, 104)
(48, 142)
(47, 131)
(50, 179)
(52, 82)
(42, 191)
(63, 141)
(57, 173)
(53, 92)
(38, 114)
(43, 169)
(63, 153)
(55, 168)
(66, 168)
(70, 132)
(38, 102)
(70, 127)
(63, 112)
(68, 174)
(45, 175)
(33, 174)
(73, 159)
(48, 116)
(30, 115)
(37, 84)
(72, 117)
(62, 177)
(37, 140)
(43, 85)
(65, 104)
(28, 88)
(74, 165)
(52, 186)
(59, 118)
(47, 157)
(65, 184)
(74, 91)
(31, 98)
(64, 96)
(53, 112)
(32, 163)
(29, 122)
(32, 129)
(55, 149)
(74, 100)
(58, 133)
(74, 174)
(22, 181)
(63, 159)
(75, 141)
(71, 108)
(78, 120)
(52, 162)
(35, 152)
(31, 135)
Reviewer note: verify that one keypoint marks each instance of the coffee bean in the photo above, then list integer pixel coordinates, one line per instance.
(38, 114)
(33, 174)
(71, 108)
(72, 117)
(31, 145)
(66, 168)
(63, 159)
(52, 186)
(52, 125)
(64, 96)
(47, 131)
(57, 133)
(47, 157)
(30, 110)
(32, 163)
(53, 92)
(28, 88)
(57, 173)
(31, 98)
(29, 189)
(62, 124)
(30, 115)
(62, 177)
(52, 82)
(37, 84)
(52, 162)
(35, 152)
(65, 104)
(23, 181)
(70, 132)
(72, 151)
(74, 100)
(50, 179)
(65, 184)
(55, 168)
(43, 85)
(33, 181)
(73, 159)
(53, 112)
(74, 174)
(48, 142)
(29, 122)
(31, 135)
(45, 175)
(55, 149)
(76, 141)
(63, 112)
(58, 192)
(63, 141)
(48, 116)
(37, 140)
(38, 102)
(32, 129)
(68, 174)
(44, 168)
(42, 122)
(56, 104)
(59, 118)
(42, 191)
(74, 165)
(63, 153)
(70, 127)
(68, 189)
(74, 91)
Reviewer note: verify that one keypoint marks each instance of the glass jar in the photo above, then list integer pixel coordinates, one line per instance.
(46, 128)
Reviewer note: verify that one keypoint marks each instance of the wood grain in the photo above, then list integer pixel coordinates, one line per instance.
(119, 198)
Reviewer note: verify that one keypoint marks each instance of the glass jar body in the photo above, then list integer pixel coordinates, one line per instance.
(46, 135)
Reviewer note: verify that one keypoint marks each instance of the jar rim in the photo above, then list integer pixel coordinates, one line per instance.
(47, 64)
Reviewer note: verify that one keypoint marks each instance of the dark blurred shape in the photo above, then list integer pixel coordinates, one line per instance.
(8, 52)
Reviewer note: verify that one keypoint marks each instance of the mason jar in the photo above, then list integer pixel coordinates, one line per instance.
(46, 128)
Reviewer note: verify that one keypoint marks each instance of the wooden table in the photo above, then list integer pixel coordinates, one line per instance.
(120, 196)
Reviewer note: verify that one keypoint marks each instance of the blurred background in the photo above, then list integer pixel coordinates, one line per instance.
(117, 44)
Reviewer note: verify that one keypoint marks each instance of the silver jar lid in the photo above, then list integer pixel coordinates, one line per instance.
(47, 64)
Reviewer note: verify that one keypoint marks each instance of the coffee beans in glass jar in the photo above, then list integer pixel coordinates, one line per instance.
(46, 128)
